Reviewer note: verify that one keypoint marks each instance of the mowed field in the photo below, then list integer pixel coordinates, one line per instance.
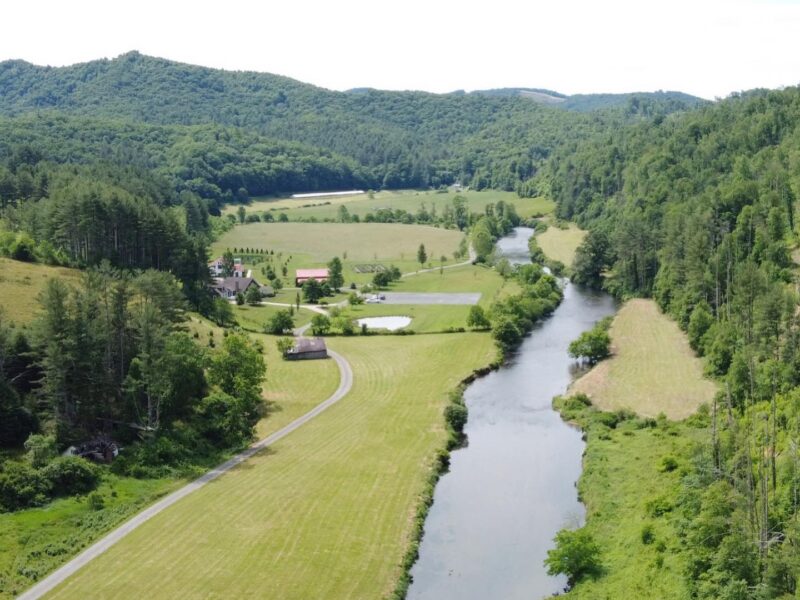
(652, 370)
(561, 244)
(314, 244)
(408, 200)
(37, 540)
(21, 283)
(325, 513)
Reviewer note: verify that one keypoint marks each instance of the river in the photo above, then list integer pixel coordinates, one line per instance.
(508, 492)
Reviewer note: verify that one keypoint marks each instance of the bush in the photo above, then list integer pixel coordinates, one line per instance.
(576, 555)
(22, 486)
(456, 416)
(648, 535)
(668, 464)
(41, 449)
(96, 502)
(71, 475)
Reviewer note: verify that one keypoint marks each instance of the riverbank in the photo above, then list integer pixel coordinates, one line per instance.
(497, 508)
(632, 476)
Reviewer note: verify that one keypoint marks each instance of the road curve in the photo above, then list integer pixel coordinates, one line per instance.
(96, 549)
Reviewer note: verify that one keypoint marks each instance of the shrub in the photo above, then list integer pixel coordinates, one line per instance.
(648, 535)
(668, 464)
(96, 502)
(21, 486)
(576, 555)
(41, 449)
(71, 475)
(456, 416)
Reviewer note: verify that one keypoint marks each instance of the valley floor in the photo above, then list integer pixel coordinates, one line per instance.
(334, 497)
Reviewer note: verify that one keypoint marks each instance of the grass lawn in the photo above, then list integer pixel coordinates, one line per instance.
(425, 318)
(254, 317)
(625, 489)
(20, 284)
(652, 370)
(560, 244)
(469, 278)
(408, 200)
(325, 513)
(304, 245)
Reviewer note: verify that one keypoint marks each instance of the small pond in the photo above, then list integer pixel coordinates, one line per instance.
(389, 323)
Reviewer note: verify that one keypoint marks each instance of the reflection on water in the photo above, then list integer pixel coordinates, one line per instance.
(513, 487)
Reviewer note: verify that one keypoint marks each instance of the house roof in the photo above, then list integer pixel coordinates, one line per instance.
(235, 284)
(308, 273)
(302, 345)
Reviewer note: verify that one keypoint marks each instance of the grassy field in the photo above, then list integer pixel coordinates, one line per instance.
(20, 284)
(469, 278)
(254, 317)
(652, 370)
(325, 513)
(408, 200)
(627, 490)
(304, 245)
(560, 244)
(35, 541)
(425, 319)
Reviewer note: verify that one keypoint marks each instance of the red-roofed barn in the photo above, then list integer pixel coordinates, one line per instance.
(303, 275)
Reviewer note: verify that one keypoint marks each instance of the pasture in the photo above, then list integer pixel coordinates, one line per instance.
(325, 513)
(305, 245)
(561, 244)
(408, 200)
(21, 283)
(652, 370)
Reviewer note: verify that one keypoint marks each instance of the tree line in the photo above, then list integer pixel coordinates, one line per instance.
(699, 212)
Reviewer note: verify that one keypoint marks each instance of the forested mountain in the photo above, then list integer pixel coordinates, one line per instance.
(700, 212)
(665, 101)
(399, 139)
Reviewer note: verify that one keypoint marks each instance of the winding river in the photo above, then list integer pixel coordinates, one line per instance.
(508, 492)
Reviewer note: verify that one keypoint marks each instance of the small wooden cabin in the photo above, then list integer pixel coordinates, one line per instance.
(308, 348)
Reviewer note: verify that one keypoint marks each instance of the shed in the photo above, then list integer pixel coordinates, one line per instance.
(303, 275)
(307, 348)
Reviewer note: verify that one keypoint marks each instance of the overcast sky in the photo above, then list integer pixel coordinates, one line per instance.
(704, 47)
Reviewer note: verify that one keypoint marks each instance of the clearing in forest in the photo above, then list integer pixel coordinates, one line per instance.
(309, 245)
(326, 512)
(561, 244)
(408, 200)
(653, 369)
(21, 283)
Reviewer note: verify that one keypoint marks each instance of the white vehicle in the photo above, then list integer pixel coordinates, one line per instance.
(373, 300)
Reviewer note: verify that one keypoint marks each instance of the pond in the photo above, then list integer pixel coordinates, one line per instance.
(388, 323)
(510, 490)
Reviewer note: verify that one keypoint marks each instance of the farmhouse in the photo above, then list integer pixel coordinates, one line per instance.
(306, 348)
(216, 268)
(228, 287)
(303, 275)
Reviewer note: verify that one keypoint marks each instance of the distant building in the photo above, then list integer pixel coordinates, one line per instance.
(228, 287)
(308, 348)
(216, 269)
(303, 275)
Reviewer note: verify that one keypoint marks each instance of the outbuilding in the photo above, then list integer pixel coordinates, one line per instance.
(303, 275)
(308, 348)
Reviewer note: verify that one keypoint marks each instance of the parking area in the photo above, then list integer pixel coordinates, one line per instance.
(431, 298)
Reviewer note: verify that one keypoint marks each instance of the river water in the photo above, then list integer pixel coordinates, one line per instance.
(508, 492)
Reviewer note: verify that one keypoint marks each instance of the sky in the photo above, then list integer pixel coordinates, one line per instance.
(708, 48)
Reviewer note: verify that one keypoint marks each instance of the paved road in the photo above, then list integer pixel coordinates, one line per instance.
(431, 298)
(57, 577)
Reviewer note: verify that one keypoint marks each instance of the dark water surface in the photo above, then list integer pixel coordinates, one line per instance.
(512, 488)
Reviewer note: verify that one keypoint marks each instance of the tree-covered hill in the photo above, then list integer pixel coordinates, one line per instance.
(401, 139)
(700, 212)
